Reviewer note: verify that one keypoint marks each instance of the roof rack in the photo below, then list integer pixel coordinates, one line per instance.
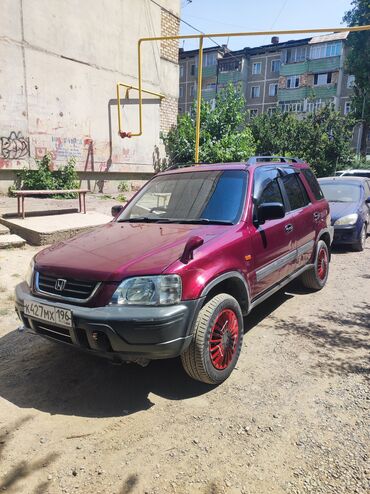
(185, 165)
(281, 159)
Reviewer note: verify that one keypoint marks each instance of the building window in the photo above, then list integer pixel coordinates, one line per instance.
(257, 68)
(181, 93)
(271, 110)
(325, 50)
(193, 90)
(209, 59)
(322, 79)
(275, 65)
(319, 103)
(347, 107)
(232, 66)
(350, 81)
(253, 112)
(192, 69)
(273, 88)
(181, 71)
(291, 106)
(210, 87)
(297, 54)
(255, 91)
(292, 82)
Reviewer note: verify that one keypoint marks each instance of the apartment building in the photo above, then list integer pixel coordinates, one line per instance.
(296, 76)
(312, 75)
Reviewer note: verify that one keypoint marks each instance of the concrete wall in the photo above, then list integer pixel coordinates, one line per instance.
(59, 64)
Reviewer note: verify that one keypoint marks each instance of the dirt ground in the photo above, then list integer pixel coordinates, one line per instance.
(292, 418)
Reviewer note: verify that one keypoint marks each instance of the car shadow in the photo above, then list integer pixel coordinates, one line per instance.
(36, 373)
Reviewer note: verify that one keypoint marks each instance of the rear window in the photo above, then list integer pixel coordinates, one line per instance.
(313, 183)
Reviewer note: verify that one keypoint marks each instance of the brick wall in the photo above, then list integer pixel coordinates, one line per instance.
(170, 26)
(169, 109)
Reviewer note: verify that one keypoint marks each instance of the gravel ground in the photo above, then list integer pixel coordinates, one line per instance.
(292, 418)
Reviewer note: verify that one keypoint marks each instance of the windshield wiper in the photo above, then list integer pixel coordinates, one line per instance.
(144, 219)
(205, 221)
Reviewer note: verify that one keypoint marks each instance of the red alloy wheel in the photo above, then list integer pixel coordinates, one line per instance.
(322, 264)
(223, 339)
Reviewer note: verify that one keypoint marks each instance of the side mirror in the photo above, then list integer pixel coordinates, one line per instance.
(116, 210)
(270, 211)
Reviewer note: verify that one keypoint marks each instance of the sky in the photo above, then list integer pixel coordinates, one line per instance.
(220, 16)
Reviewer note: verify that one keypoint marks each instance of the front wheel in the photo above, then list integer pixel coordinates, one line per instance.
(217, 341)
(360, 244)
(316, 277)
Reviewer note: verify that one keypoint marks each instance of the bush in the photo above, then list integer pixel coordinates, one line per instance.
(224, 133)
(122, 188)
(44, 179)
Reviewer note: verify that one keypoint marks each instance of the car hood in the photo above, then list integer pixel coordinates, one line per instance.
(339, 209)
(117, 250)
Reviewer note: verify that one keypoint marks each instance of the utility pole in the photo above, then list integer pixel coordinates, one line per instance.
(361, 130)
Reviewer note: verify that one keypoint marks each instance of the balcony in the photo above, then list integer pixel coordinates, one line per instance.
(311, 66)
(232, 76)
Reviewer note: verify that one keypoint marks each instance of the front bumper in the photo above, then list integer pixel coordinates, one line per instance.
(345, 234)
(125, 333)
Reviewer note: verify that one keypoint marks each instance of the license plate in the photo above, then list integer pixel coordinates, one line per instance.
(48, 313)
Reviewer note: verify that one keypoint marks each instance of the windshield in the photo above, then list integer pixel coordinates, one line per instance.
(193, 197)
(339, 192)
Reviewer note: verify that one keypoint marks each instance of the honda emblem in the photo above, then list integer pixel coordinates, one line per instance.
(60, 284)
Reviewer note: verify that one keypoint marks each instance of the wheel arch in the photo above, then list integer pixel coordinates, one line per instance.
(325, 236)
(232, 283)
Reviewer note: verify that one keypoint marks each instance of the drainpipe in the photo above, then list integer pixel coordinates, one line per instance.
(340, 80)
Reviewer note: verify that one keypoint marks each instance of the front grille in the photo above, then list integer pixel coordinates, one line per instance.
(77, 290)
(55, 332)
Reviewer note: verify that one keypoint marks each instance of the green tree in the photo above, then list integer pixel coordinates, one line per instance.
(224, 135)
(322, 138)
(358, 64)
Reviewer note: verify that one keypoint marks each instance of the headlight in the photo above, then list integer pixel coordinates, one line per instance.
(29, 274)
(350, 219)
(149, 290)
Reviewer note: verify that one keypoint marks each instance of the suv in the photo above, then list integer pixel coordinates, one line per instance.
(180, 265)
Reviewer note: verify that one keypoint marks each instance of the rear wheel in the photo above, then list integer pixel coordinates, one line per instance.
(218, 336)
(360, 244)
(316, 277)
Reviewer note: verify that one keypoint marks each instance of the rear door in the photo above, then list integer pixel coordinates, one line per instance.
(303, 213)
(273, 242)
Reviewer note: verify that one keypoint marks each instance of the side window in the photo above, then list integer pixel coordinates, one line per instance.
(367, 189)
(313, 183)
(271, 193)
(295, 191)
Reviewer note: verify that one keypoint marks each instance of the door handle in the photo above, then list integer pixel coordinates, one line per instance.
(288, 228)
(316, 216)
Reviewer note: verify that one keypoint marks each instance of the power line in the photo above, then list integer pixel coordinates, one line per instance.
(185, 22)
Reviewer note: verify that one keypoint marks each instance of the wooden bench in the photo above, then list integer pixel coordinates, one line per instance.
(21, 194)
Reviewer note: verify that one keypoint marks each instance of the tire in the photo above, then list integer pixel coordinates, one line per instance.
(316, 277)
(360, 244)
(205, 360)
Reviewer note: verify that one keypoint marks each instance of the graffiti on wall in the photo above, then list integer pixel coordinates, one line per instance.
(14, 146)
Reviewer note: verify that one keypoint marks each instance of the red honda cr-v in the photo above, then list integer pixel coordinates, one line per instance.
(177, 269)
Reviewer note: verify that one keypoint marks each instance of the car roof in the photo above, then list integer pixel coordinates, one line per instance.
(346, 179)
(359, 170)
